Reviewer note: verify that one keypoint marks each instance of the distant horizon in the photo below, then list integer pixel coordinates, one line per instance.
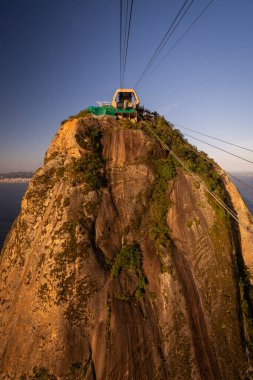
(17, 172)
(33, 171)
(205, 83)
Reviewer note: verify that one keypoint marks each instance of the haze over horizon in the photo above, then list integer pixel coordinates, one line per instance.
(60, 57)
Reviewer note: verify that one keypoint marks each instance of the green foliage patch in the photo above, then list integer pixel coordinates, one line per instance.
(82, 113)
(90, 138)
(195, 161)
(39, 189)
(164, 170)
(189, 155)
(89, 168)
(130, 259)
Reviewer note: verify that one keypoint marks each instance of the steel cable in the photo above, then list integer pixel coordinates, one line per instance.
(182, 36)
(120, 43)
(215, 138)
(165, 39)
(218, 200)
(127, 42)
(195, 150)
(216, 147)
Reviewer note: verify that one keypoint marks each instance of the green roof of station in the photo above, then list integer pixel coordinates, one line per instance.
(109, 110)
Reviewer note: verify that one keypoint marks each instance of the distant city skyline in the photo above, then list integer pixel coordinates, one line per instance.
(59, 57)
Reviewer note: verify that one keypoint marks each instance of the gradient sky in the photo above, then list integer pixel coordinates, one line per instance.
(58, 57)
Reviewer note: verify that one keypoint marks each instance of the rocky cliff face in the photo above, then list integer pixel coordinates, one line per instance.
(120, 266)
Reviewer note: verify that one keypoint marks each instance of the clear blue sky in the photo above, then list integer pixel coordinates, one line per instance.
(58, 57)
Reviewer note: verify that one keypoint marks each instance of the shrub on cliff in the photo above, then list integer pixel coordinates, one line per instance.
(130, 259)
(88, 169)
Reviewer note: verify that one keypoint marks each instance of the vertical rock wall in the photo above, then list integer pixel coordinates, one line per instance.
(67, 312)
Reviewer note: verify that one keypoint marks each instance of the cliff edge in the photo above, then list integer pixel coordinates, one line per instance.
(121, 266)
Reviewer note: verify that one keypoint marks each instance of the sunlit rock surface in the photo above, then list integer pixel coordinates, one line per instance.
(74, 305)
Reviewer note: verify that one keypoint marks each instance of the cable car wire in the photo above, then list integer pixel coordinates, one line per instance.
(215, 138)
(195, 150)
(120, 42)
(126, 17)
(229, 210)
(165, 38)
(182, 36)
(127, 41)
(196, 177)
(124, 36)
(165, 146)
(160, 45)
(216, 147)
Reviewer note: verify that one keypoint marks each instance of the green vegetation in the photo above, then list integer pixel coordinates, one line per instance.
(74, 294)
(130, 259)
(164, 170)
(89, 168)
(82, 113)
(39, 189)
(196, 163)
(90, 137)
(127, 124)
(193, 160)
(51, 157)
(70, 244)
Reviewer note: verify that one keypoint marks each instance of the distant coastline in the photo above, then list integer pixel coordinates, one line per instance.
(15, 180)
(16, 177)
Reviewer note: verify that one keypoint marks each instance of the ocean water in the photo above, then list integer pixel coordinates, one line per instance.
(246, 192)
(11, 195)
